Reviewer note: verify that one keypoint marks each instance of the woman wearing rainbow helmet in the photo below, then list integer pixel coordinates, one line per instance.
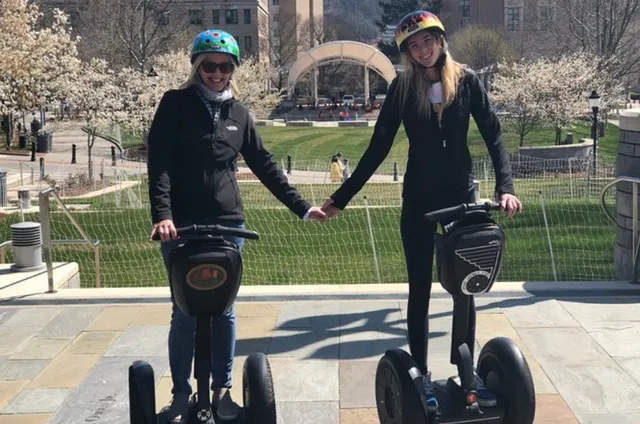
(434, 98)
(196, 135)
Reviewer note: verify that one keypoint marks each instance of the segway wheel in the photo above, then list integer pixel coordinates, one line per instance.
(142, 393)
(258, 394)
(397, 398)
(505, 371)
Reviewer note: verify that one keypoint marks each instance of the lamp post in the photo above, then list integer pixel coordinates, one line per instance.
(594, 102)
(153, 75)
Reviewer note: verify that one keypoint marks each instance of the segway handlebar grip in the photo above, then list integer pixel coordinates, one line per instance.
(217, 230)
(442, 214)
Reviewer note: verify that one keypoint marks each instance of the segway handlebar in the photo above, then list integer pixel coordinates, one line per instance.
(456, 211)
(214, 230)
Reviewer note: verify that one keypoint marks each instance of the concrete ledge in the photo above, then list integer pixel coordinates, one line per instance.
(280, 293)
(22, 285)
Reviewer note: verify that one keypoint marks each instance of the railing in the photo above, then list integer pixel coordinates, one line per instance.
(634, 215)
(45, 220)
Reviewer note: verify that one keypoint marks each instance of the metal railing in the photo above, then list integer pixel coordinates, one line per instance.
(634, 215)
(45, 220)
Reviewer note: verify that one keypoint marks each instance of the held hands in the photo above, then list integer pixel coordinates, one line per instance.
(316, 214)
(510, 204)
(329, 209)
(165, 229)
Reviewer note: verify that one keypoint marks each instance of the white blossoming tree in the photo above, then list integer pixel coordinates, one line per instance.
(98, 102)
(553, 92)
(515, 90)
(38, 61)
(253, 78)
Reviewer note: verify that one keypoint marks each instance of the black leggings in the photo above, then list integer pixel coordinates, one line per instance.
(418, 242)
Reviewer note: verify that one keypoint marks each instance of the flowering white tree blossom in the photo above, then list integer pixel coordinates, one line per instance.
(515, 89)
(253, 78)
(553, 91)
(37, 62)
(98, 102)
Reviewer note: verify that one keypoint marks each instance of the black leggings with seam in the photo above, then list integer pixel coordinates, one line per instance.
(418, 243)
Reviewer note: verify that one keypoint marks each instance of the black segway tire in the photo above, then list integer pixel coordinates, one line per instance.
(397, 398)
(258, 393)
(505, 371)
(142, 393)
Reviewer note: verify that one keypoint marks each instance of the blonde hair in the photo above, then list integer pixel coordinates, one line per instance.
(414, 79)
(194, 78)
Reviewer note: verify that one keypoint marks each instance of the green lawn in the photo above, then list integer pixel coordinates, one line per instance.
(309, 144)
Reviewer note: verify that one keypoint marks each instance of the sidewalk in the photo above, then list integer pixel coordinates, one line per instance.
(62, 363)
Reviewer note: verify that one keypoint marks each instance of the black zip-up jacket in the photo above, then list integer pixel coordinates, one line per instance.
(190, 161)
(439, 168)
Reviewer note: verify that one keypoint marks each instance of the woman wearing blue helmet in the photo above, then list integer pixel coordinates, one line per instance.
(196, 135)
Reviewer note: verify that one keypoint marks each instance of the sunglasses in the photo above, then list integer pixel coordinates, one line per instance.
(211, 67)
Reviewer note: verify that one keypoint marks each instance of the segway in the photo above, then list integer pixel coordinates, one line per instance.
(469, 256)
(205, 275)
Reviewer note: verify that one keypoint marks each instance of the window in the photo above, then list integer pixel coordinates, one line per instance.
(247, 42)
(216, 16)
(163, 18)
(465, 8)
(196, 17)
(231, 16)
(275, 2)
(247, 16)
(513, 19)
(276, 17)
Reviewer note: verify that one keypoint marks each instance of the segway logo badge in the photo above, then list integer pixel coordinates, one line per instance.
(206, 277)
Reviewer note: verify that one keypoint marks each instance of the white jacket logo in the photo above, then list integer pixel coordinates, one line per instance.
(232, 128)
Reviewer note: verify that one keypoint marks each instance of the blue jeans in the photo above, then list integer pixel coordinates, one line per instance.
(182, 336)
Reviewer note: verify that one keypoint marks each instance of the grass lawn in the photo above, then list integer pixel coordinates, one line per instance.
(308, 144)
(311, 144)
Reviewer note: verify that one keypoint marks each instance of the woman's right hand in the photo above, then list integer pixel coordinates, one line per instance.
(165, 229)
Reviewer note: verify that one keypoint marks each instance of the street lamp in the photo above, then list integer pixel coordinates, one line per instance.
(153, 76)
(594, 102)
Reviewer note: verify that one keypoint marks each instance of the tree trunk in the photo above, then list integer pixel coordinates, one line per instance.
(558, 136)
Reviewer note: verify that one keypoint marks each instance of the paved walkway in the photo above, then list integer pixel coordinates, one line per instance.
(68, 364)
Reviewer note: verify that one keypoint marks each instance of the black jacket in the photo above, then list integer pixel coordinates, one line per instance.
(439, 168)
(190, 161)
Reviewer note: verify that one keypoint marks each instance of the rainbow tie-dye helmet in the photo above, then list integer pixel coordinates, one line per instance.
(215, 41)
(415, 22)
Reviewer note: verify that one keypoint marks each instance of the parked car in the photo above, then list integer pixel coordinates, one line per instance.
(348, 99)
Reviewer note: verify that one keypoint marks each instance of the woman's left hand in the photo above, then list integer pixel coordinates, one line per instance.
(510, 204)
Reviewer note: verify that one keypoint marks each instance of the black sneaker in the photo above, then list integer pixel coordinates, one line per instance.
(432, 402)
(486, 398)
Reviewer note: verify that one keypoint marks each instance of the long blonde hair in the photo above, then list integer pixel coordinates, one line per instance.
(414, 79)
(194, 78)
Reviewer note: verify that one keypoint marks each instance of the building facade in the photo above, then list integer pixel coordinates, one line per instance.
(515, 16)
(296, 23)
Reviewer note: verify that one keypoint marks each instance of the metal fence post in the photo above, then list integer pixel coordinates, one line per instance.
(45, 220)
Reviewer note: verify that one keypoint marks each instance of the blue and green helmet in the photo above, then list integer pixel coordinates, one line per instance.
(215, 41)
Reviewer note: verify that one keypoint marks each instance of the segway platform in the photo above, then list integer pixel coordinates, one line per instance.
(453, 409)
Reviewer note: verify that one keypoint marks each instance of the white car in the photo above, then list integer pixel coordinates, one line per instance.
(348, 100)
